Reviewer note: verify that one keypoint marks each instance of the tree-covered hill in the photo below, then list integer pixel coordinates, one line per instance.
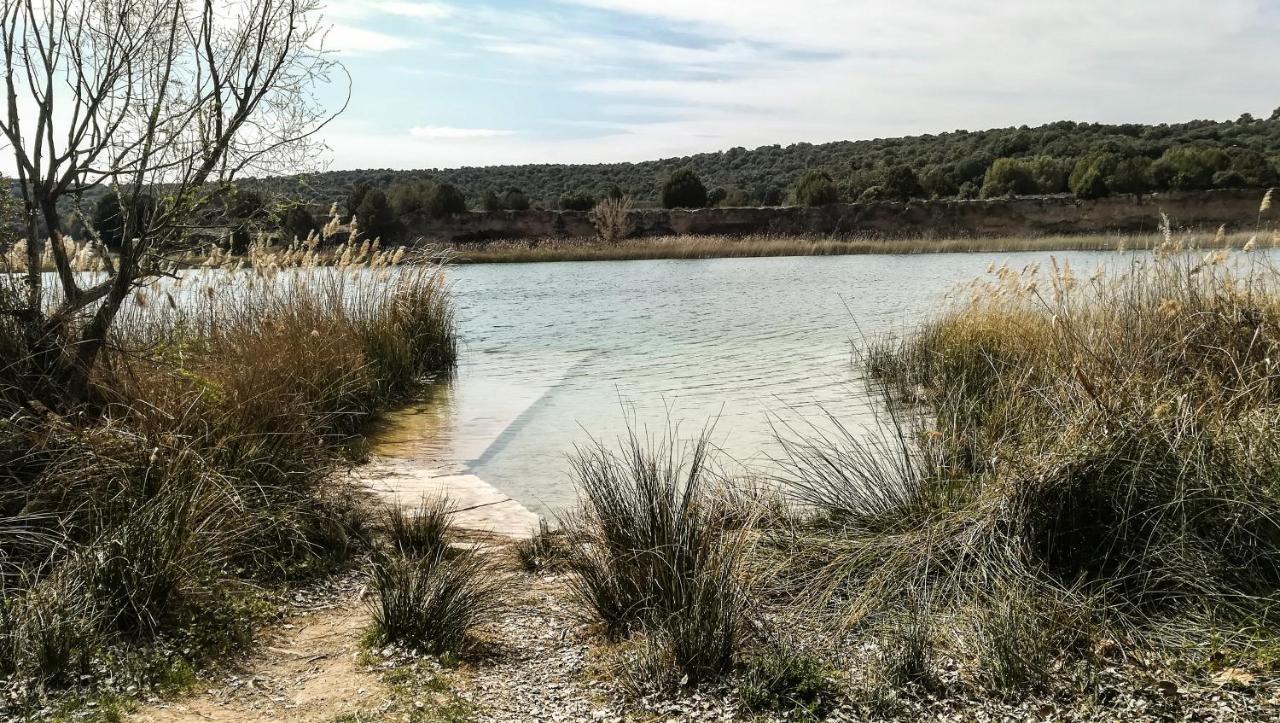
(1088, 159)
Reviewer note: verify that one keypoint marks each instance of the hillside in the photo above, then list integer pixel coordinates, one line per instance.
(1244, 153)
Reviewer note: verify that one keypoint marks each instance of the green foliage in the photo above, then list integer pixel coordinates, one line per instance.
(490, 201)
(513, 199)
(901, 184)
(245, 213)
(656, 556)
(421, 532)
(780, 678)
(435, 199)
(683, 189)
(938, 182)
(1131, 175)
(1188, 168)
(1089, 177)
(446, 200)
(766, 172)
(355, 196)
(296, 222)
(375, 216)
(817, 189)
(577, 201)
(1009, 177)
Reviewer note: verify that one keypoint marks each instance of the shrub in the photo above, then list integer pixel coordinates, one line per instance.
(296, 223)
(683, 189)
(612, 219)
(1131, 175)
(817, 189)
(433, 603)
(780, 677)
(579, 201)
(375, 217)
(1188, 168)
(445, 200)
(901, 184)
(1009, 177)
(423, 532)
(938, 183)
(513, 199)
(1090, 458)
(1089, 177)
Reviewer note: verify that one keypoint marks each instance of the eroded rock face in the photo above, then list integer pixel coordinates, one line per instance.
(1004, 217)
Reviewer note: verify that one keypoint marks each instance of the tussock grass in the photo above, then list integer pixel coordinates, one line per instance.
(544, 549)
(423, 532)
(761, 245)
(199, 475)
(655, 557)
(433, 603)
(1064, 459)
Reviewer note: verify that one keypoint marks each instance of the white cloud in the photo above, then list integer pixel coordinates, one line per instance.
(364, 9)
(718, 73)
(450, 133)
(355, 40)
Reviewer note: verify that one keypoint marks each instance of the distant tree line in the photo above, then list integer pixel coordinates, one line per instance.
(1085, 159)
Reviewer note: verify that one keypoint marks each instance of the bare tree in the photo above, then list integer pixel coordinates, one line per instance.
(165, 98)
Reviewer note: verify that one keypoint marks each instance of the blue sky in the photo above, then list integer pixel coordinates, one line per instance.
(446, 83)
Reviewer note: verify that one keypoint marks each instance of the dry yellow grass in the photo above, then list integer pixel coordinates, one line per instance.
(707, 247)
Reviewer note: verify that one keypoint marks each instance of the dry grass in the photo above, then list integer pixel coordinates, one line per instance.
(199, 477)
(708, 247)
(1067, 459)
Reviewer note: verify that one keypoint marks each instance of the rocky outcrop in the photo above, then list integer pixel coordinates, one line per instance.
(1036, 216)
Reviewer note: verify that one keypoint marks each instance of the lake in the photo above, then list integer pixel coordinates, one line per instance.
(556, 354)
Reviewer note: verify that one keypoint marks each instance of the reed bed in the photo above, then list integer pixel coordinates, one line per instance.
(1072, 462)
(155, 522)
(709, 247)
(1076, 471)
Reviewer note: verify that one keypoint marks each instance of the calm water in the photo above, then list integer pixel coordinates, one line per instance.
(555, 354)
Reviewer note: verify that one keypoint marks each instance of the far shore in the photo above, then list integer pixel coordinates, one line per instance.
(711, 247)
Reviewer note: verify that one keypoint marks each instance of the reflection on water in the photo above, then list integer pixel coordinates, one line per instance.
(555, 354)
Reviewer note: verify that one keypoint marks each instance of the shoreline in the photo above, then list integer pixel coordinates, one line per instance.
(714, 247)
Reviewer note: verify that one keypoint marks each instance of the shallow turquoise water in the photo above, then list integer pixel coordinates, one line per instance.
(555, 354)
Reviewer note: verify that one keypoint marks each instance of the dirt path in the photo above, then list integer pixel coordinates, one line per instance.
(308, 669)
(539, 670)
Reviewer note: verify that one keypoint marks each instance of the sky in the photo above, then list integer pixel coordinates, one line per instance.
(448, 83)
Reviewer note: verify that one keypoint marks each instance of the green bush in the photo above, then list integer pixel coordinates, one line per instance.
(683, 189)
(901, 184)
(513, 199)
(1188, 168)
(375, 217)
(1009, 177)
(1131, 175)
(1089, 177)
(578, 201)
(296, 222)
(937, 182)
(781, 678)
(445, 200)
(816, 189)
